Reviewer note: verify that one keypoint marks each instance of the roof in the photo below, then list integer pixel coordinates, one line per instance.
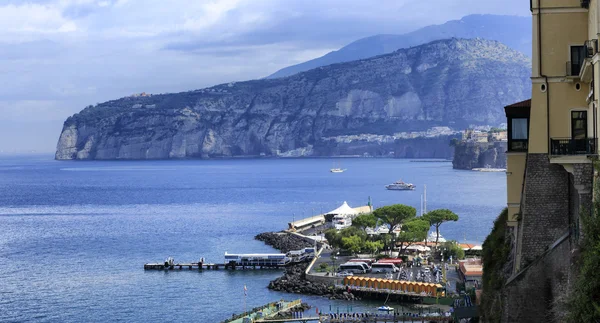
(519, 109)
(522, 104)
(471, 267)
(470, 246)
(393, 281)
(344, 209)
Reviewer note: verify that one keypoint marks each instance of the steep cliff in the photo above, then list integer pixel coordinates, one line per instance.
(453, 82)
(469, 155)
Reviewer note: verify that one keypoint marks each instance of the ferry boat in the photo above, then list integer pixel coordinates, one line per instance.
(265, 259)
(400, 186)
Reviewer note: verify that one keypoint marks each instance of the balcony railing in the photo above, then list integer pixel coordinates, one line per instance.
(569, 146)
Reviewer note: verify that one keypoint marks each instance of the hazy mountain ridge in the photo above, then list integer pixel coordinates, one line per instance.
(453, 82)
(513, 31)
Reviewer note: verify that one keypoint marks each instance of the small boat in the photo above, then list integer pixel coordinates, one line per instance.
(337, 169)
(400, 186)
(384, 308)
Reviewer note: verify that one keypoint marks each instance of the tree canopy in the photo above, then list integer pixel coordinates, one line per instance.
(364, 221)
(413, 230)
(438, 217)
(452, 248)
(394, 215)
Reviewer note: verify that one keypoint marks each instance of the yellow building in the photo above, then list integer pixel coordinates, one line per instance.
(552, 143)
(552, 138)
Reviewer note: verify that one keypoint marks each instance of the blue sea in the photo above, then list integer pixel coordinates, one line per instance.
(74, 235)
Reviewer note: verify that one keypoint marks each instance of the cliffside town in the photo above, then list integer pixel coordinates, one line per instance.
(480, 149)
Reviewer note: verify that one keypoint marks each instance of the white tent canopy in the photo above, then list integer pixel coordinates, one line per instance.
(345, 209)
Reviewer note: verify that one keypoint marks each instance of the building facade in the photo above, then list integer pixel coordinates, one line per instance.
(552, 144)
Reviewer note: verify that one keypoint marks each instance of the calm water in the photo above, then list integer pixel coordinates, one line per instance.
(74, 235)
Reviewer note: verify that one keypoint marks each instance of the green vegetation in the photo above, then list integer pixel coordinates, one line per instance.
(394, 215)
(413, 230)
(365, 221)
(452, 248)
(437, 217)
(454, 142)
(496, 130)
(584, 299)
(495, 255)
(353, 240)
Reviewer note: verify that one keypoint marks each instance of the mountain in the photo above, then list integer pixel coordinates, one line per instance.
(453, 82)
(513, 31)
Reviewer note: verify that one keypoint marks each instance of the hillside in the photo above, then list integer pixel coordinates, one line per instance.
(513, 31)
(454, 82)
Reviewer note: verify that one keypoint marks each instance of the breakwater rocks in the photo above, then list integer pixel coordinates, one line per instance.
(293, 281)
(283, 242)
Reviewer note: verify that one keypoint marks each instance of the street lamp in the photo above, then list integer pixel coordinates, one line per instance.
(333, 258)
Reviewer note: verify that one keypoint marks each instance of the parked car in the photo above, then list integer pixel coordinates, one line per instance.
(345, 274)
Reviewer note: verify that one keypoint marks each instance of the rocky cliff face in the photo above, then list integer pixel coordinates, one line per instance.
(453, 82)
(469, 155)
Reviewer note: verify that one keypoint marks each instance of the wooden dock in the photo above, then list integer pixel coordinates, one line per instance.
(205, 266)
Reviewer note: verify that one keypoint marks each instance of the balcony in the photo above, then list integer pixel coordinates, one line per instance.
(570, 147)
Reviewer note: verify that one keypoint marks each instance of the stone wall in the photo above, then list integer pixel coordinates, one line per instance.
(539, 293)
(583, 183)
(545, 206)
(548, 240)
(327, 280)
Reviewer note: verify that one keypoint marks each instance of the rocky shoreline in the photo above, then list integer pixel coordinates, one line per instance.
(294, 278)
(282, 241)
(294, 281)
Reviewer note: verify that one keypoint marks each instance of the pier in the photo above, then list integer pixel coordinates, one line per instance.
(362, 318)
(241, 261)
(206, 266)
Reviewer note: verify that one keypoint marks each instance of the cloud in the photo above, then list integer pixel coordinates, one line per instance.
(57, 56)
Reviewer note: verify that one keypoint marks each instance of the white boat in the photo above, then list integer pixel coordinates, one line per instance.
(341, 221)
(337, 169)
(432, 236)
(400, 186)
(382, 229)
(385, 308)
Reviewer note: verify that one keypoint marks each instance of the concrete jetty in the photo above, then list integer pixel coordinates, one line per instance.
(318, 220)
(205, 266)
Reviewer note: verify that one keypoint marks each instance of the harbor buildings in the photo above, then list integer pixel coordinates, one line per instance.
(552, 144)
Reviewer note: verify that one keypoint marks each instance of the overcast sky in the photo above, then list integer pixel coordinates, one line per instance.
(57, 56)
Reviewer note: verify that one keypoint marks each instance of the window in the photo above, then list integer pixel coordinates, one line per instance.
(577, 57)
(519, 128)
(518, 134)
